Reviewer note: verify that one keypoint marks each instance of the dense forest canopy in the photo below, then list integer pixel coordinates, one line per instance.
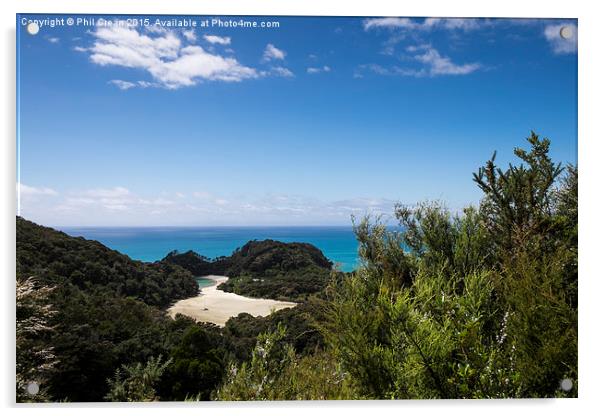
(59, 259)
(264, 269)
(197, 264)
(476, 304)
(480, 303)
(90, 327)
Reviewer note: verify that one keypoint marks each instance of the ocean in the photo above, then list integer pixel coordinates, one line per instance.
(202, 282)
(153, 243)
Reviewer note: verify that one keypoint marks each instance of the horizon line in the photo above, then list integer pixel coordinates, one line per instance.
(201, 226)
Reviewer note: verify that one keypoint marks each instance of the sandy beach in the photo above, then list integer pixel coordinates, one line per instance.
(216, 306)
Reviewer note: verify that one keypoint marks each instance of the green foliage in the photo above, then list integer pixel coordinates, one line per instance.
(476, 304)
(481, 305)
(295, 286)
(197, 366)
(138, 382)
(35, 359)
(565, 198)
(542, 321)
(104, 314)
(276, 270)
(380, 254)
(96, 334)
(274, 372)
(240, 333)
(264, 269)
(566, 229)
(58, 259)
(259, 378)
(197, 264)
(257, 258)
(444, 242)
(518, 201)
(433, 340)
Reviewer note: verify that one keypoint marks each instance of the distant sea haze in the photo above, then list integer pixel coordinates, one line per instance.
(338, 243)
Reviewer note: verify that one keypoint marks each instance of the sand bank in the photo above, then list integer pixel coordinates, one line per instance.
(216, 306)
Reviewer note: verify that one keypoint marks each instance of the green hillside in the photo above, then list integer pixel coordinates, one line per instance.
(56, 258)
(264, 269)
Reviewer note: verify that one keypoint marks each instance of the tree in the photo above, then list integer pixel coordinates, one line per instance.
(137, 382)
(276, 373)
(35, 355)
(196, 367)
(480, 304)
(518, 201)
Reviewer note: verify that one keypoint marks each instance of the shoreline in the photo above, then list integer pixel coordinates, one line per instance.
(216, 306)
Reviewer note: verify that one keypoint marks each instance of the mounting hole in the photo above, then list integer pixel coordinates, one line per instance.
(566, 32)
(566, 384)
(32, 388)
(33, 28)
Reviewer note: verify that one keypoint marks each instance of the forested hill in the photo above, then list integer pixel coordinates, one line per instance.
(258, 258)
(85, 312)
(197, 264)
(268, 268)
(56, 258)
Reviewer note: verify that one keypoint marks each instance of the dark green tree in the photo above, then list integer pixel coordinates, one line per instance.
(196, 368)
(518, 201)
(480, 304)
(137, 382)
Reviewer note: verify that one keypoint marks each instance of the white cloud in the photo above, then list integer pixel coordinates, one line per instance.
(207, 199)
(120, 206)
(116, 207)
(281, 72)
(392, 70)
(302, 209)
(79, 201)
(146, 84)
(442, 65)
(317, 70)
(154, 29)
(25, 190)
(201, 194)
(161, 54)
(220, 40)
(271, 52)
(426, 24)
(195, 63)
(454, 23)
(96, 201)
(401, 28)
(389, 23)
(122, 85)
(155, 202)
(118, 191)
(190, 35)
(80, 49)
(432, 64)
(53, 40)
(416, 48)
(126, 85)
(559, 44)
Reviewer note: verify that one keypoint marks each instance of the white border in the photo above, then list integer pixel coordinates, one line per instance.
(590, 67)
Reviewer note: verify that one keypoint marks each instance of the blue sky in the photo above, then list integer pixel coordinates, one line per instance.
(303, 124)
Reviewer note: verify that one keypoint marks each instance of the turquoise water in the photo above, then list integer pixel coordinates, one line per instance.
(153, 243)
(202, 282)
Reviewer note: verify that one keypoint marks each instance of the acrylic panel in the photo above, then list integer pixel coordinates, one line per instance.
(295, 208)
